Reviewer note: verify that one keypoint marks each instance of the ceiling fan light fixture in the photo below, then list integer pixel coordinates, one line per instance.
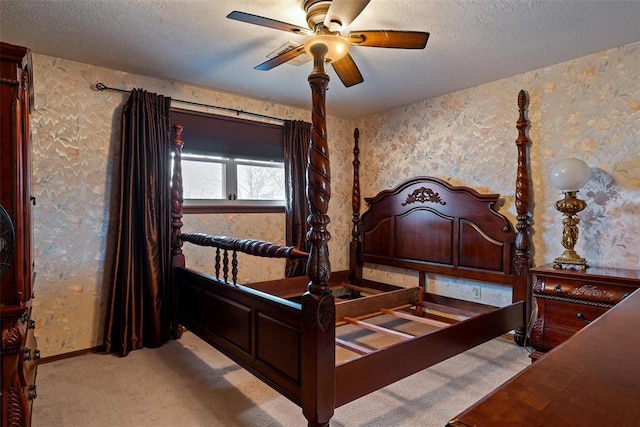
(337, 46)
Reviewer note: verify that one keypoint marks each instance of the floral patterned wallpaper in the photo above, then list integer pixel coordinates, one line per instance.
(75, 132)
(587, 108)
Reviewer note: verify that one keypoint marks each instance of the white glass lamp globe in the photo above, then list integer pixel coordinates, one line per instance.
(337, 46)
(570, 174)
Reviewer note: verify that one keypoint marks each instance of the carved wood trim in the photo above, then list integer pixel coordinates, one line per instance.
(521, 262)
(592, 291)
(318, 179)
(523, 193)
(538, 286)
(13, 339)
(355, 190)
(15, 407)
(177, 192)
(536, 333)
(423, 195)
(575, 301)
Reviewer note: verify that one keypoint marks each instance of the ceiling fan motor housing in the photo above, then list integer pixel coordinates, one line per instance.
(316, 12)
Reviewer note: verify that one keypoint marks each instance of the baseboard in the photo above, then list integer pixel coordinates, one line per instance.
(70, 354)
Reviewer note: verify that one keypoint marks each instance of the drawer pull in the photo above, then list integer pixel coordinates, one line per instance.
(581, 317)
(557, 288)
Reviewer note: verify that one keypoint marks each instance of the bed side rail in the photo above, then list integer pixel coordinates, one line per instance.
(363, 375)
(227, 249)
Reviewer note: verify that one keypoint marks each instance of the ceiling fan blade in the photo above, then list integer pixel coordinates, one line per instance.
(280, 59)
(347, 71)
(388, 38)
(344, 11)
(267, 22)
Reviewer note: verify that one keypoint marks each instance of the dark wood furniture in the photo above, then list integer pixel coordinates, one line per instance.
(18, 349)
(590, 380)
(568, 300)
(288, 333)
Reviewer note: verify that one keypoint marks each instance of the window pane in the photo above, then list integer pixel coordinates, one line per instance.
(257, 182)
(203, 180)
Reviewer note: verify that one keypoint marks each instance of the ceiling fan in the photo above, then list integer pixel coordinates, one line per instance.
(325, 19)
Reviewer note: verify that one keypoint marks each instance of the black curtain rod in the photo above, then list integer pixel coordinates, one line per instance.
(102, 87)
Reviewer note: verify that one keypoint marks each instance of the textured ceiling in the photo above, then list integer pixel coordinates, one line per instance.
(471, 42)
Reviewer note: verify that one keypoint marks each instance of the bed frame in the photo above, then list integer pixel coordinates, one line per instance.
(293, 333)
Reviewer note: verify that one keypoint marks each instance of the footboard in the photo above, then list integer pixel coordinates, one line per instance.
(257, 330)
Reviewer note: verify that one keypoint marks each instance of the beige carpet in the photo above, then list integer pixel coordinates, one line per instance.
(187, 383)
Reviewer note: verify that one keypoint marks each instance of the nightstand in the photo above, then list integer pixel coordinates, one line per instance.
(568, 300)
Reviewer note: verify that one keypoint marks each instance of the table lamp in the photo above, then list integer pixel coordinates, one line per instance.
(569, 176)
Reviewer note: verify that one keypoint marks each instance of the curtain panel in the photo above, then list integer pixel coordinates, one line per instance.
(297, 139)
(139, 300)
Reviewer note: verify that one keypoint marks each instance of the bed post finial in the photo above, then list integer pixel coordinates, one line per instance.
(522, 260)
(354, 248)
(318, 305)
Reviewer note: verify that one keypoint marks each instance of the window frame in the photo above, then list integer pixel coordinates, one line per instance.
(255, 130)
(230, 184)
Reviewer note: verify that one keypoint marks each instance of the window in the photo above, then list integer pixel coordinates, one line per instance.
(230, 164)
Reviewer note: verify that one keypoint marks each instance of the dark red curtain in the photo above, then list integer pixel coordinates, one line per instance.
(297, 138)
(137, 313)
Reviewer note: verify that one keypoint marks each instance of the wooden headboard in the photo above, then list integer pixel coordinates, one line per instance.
(461, 233)
(429, 225)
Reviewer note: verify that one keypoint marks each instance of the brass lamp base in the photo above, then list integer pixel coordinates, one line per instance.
(570, 262)
(570, 206)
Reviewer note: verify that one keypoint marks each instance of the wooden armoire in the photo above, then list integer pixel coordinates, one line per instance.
(18, 352)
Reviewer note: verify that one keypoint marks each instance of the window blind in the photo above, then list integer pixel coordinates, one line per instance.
(212, 134)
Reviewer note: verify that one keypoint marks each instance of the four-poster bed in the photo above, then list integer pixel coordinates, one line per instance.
(425, 225)
(298, 345)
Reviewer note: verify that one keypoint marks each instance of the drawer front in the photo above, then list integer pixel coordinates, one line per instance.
(568, 316)
(582, 290)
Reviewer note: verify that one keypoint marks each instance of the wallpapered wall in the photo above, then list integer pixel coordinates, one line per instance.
(75, 134)
(587, 108)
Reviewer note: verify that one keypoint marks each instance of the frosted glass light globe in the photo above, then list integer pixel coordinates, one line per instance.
(337, 46)
(570, 174)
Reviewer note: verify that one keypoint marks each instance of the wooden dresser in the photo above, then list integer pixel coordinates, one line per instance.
(589, 381)
(568, 300)
(18, 347)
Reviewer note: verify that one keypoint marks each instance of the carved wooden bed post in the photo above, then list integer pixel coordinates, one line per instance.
(318, 305)
(522, 260)
(177, 257)
(354, 248)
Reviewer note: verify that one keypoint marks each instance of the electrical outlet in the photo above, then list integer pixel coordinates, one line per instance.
(475, 291)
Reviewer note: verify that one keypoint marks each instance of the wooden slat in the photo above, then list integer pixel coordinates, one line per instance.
(413, 318)
(467, 313)
(377, 328)
(372, 303)
(364, 316)
(352, 346)
(362, 289)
